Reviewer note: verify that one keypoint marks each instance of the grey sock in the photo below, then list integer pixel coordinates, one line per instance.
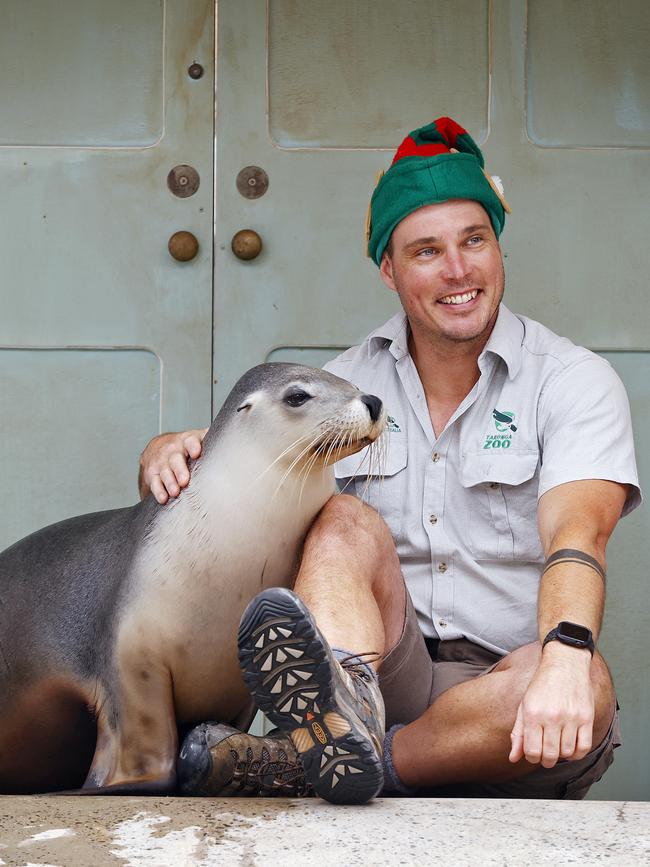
(392, 783)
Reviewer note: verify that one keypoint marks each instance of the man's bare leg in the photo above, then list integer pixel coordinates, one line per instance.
(465, 734)
(351, 581)
(350, 578)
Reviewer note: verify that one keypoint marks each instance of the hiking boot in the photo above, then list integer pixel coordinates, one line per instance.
(332, 711)
(218, 760)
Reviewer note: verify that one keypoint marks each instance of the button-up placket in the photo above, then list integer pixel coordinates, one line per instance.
(433, 514)
(433, 519)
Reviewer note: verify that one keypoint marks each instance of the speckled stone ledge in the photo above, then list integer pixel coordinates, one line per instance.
(174, 832)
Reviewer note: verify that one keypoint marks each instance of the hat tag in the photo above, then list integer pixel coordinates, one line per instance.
(497, 187)
(380, 175)
(496, 183)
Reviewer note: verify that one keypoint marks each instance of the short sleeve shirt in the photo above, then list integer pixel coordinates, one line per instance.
(462, 507)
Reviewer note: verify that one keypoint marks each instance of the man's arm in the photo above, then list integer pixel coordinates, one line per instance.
(555, 718)
(164, 463)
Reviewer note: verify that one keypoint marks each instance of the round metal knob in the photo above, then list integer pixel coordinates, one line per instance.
(246, 244)
(183, 246)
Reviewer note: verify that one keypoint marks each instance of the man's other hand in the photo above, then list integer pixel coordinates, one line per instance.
(555, 719)
(164, 463)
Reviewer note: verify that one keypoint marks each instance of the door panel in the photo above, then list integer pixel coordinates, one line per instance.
(84, 75)
(588, 70)
(336, 73)
(85, 220)
(58, 458)
(319, 94)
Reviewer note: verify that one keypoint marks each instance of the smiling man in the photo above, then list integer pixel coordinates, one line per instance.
(475, 569)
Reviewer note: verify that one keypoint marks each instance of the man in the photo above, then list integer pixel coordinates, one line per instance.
(510, 462)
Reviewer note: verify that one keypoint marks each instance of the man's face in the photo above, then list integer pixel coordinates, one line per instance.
(445, 264)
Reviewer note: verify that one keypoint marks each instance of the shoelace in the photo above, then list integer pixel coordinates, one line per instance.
(284, 773)
(250, 771)
(355, 661)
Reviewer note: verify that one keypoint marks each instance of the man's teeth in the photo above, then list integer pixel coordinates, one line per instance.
(459, 299)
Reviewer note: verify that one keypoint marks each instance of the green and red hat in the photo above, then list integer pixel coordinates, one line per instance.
(433, 164)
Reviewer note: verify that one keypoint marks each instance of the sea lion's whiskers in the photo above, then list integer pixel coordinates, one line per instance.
(316, 434)
(376, 453)
(326, 446)
(310, 463)
(311, 438)
(289, 448)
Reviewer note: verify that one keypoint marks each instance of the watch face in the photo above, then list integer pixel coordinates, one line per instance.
(573, 631)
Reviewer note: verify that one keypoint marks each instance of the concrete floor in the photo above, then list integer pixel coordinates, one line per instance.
(174, 832)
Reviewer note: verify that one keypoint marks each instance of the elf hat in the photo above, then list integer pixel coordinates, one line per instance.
(433, 164)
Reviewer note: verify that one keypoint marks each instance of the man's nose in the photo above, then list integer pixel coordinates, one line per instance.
(456, 267)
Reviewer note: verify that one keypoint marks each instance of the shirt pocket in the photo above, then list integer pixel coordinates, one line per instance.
(385, 489)
(501, 506)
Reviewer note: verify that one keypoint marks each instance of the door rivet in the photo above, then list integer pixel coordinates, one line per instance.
(252, 182)
(183, 181)
(195, 71)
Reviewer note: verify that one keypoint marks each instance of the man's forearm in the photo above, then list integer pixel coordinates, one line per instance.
(577, 517)
(571, 587)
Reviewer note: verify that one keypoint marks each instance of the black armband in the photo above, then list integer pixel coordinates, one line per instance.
(571, 555)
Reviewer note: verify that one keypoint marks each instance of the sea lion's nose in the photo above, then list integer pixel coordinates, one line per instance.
(374, 405)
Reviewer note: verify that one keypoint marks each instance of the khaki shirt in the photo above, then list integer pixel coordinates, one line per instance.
(462, 508)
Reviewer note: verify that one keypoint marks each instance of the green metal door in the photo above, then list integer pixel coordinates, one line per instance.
(105, 339)
(317, 94)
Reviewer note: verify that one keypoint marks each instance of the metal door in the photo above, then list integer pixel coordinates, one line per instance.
(317, 94)
(105, 339)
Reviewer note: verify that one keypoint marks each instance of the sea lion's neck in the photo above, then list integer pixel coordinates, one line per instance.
(247, 493)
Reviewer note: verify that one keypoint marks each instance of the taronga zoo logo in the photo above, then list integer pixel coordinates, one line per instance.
(504, 422)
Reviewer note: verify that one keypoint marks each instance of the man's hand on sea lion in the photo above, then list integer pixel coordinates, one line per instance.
(164, 468)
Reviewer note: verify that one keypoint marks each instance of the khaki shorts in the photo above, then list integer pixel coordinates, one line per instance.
(411, 680)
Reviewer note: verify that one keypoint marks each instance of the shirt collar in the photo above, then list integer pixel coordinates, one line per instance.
(505, 341)
(392, 335)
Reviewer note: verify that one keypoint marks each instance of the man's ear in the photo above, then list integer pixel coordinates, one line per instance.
(386, 271)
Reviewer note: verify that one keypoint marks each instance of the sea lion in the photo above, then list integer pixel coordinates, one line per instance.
(118, 628)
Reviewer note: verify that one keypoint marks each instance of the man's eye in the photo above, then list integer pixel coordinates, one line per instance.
(474, 240)
(297, 398)
(427, 251)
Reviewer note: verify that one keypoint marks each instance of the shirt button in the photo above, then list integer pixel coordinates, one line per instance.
(494, 485)
(435, 457)
(442, 623)
(442, 567)
(433, 519)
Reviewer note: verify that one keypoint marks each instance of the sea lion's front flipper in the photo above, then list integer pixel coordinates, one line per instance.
(137, 740)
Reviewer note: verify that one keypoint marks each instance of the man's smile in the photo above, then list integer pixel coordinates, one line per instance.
(460, 298)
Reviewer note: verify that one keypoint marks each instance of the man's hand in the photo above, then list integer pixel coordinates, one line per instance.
(164, 463)
(555, 719)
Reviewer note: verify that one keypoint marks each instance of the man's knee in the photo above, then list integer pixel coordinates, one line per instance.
(519, 666)
(347, 521)
(604, 698)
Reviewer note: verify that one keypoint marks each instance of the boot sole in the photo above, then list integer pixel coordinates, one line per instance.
(286, 666)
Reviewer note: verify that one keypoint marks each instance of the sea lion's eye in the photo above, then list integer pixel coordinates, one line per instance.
(297, 398)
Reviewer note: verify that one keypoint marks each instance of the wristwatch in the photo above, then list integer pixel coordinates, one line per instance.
(572, 634)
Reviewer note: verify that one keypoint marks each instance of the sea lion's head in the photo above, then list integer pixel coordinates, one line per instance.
(309, 416)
